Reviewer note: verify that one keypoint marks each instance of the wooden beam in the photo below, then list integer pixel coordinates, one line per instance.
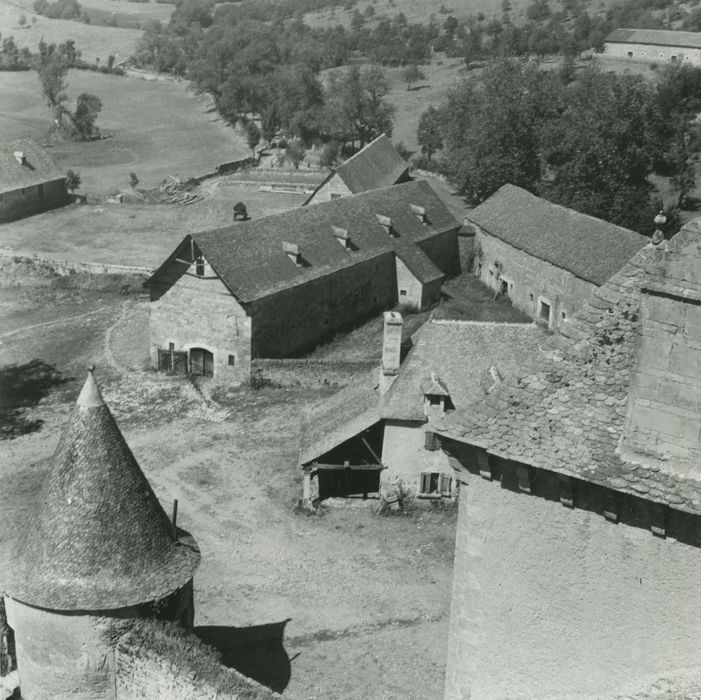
(350, 467)
(372, 452)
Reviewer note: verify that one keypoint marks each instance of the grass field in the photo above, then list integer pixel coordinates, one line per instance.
(160, 128)
(92, 40)
(363, 599)
(126, 14)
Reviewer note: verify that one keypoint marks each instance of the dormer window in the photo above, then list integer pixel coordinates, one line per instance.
(342, 236)
(386, 223)
(199, 266)
(20, 157)
(294, 252)
(420, 213)
(436, 397)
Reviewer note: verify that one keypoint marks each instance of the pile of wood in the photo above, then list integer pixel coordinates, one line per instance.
(178, 191)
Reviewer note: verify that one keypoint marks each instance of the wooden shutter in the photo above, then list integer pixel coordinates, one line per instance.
(445, 484)
(425, 483)
(429, 440)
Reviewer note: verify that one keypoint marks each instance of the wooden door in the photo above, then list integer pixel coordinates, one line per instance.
(201, 362)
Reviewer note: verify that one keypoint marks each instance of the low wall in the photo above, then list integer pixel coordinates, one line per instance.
(63, 268)
(308, 373)
(228, 167)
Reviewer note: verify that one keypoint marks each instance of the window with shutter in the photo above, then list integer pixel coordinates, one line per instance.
(446, 483)
(429, 440)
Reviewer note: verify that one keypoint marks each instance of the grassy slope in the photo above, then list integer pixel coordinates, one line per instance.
(160, 128)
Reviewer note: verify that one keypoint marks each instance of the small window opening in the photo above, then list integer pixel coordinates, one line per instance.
(171, 347)
(232, 360)
(335, 195)
(434, 400)
(504, 288)
(630, 54)
(199, 266)
(436, 484)
(402, 292)
(544, 311)
(563, 315)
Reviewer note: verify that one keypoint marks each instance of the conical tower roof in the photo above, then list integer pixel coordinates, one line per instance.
(100, 539)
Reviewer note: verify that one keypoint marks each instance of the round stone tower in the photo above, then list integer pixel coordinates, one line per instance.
(99, 546)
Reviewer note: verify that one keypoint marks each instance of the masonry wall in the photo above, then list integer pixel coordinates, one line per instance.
(443, 251)
(335, 187)
(200, 312)
(555, 602)
(297, 319)
(410, 291)
(530, 280)
(33, 200)
(663, 420)
(652, 52)
(405, 455)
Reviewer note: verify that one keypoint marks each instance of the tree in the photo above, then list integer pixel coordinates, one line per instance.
(252, 136)
(295, 152)
(428, 133)
(412, 74)
(72, 181)
(133, 180)
(52, 70)
(240, 212)
(87, 108)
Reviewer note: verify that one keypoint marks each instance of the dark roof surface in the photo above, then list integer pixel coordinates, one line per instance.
(376, 165)
(100, 539)
(342, 416)
(461, 354)
(564, 410)
(587, 247)
(660, 37)
(249, 256)
(38, 166)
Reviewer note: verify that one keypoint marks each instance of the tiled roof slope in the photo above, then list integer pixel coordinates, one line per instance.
(376, 165)
(564, 410)
(461, 354)
(659, 37)
(587, 247)
(249, 256)
(38, 167)
(342, 416)
(100, 539)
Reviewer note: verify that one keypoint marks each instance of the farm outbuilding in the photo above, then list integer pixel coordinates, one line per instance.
(30, 181)
(654, 45)
(98, 546)
(579, 523)
(545, 258)
(373, 167)
(277, 286)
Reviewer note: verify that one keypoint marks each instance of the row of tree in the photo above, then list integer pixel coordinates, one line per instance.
(591, 145)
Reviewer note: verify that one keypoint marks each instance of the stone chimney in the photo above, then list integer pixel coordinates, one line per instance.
(391, 349)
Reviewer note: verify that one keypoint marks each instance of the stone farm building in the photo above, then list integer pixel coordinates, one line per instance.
(546, 258)
(98, 546)
(577, 553)
(654, 45)
(377, 433)
(375, 166)
(277, 286)
(30, 181)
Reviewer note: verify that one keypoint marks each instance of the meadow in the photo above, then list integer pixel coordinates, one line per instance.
(158, 127)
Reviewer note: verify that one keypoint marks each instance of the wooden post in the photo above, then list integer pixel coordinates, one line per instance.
(307, 486)
(174, 520)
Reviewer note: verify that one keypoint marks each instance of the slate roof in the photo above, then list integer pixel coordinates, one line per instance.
(38, 167)
(249, 256)
(461, 354)
(376, 165)
(587, 247)
(564, 409)
(100, 539)
(342, 416)
(658, 37)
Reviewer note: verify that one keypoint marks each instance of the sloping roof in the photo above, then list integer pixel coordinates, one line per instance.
(38, 165)
(565, 408)
(249, 256)
(100, 539)
(659, 37)
(376, 165)
(587, 247)
(342, 416)
(461, 354)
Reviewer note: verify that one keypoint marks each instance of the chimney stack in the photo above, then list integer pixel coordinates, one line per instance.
(391, 349)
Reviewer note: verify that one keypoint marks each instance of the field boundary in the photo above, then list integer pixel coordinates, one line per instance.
(64, 268)
(308, 372)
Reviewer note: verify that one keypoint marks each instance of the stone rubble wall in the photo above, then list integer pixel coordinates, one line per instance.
(308, 372)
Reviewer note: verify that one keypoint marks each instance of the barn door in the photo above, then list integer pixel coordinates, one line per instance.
(201, 362)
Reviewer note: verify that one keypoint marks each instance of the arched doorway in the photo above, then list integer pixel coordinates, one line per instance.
(201, 362)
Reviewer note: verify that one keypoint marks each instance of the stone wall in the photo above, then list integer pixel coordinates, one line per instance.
(308, 372)
(335, 187)
(409, 288)
(530, 280)
(443, 251)
(663, 420)
(553, 602)
(200, 312)
(299, 318)
(33, 200)
(653, 53)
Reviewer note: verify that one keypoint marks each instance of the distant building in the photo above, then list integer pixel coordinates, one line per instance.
(654, 45)
(579, 520)
(373, 167)
(379, 430)
(30, 181)
(545, 258)
(99, 546)
(276, 286)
